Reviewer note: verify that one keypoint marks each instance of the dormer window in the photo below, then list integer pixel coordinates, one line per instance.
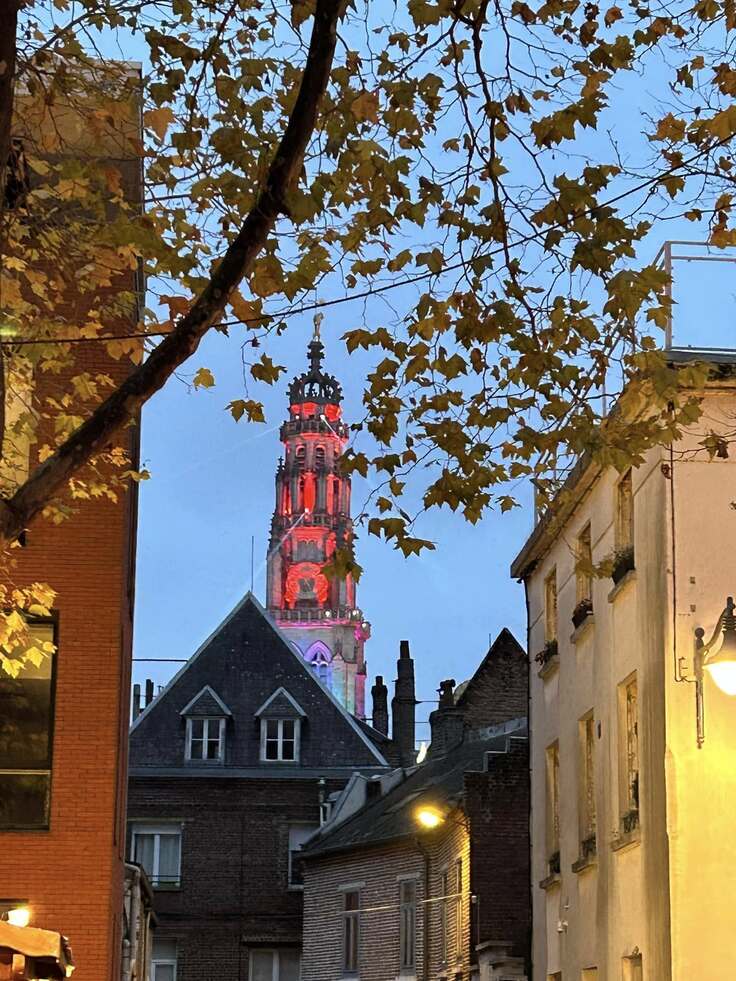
(206, 718)
(279, 738)
(206, 740)
(281, 719)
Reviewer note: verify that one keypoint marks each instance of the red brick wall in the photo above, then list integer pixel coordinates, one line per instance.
(72, 874)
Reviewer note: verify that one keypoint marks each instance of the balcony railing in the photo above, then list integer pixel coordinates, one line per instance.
(309, 615)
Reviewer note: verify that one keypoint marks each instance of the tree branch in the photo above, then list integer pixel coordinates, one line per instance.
(122, 406)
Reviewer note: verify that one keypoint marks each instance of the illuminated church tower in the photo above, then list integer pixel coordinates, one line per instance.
(312, 517)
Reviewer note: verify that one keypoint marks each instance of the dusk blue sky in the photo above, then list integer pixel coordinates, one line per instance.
(213, 488)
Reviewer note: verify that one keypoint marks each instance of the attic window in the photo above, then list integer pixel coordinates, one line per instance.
(205, 740)
(280, 740)
(281, 721)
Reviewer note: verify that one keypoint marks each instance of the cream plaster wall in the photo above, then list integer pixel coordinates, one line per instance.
(686, 848)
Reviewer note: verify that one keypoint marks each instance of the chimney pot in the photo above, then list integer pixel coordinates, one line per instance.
(149, 691)
(379, 694)
(403, 707)
(136, 701)
(446, 722)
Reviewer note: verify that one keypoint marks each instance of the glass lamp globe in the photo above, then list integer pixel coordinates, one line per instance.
(722, 665)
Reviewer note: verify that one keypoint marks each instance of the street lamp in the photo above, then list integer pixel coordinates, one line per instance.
(720, 664)
(429, 816)
(19, 916)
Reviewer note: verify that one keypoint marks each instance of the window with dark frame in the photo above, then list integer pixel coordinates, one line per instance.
(351, 931)
(26, 736)
(407, 924)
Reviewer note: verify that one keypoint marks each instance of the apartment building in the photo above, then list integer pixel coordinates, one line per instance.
(64, 721)
(423, 872)
(633, 785)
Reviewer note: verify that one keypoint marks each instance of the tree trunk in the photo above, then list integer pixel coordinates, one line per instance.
(123, 405)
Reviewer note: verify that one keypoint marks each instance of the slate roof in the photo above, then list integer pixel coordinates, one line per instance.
(439, 780)
(245, 661)
(206, 703)
(280, 705)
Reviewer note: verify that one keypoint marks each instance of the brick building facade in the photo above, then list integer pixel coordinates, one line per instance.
(231, 769)
(424, 872)
(63, 784)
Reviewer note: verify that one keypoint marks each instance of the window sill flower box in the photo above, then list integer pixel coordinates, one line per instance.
(623, 562)
(548, 652)
(582, 611)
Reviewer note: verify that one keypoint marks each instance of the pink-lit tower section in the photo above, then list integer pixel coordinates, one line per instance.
(311, 519)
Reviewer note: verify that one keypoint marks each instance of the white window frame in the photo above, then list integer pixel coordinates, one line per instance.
(157, 830)
(297, 740)
(276, 962)
(210, 719)
(155, 964)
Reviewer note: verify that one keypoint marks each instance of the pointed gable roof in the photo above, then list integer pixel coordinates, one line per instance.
(206, 703)
(278, 704)
(499, 689)
(246, 660)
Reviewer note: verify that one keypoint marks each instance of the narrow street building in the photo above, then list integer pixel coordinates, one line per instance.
(633, 782)
(231, 769)
(64, 723)
(423, 872)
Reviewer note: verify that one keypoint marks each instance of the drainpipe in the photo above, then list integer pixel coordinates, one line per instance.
(425, 921)
(530, 928)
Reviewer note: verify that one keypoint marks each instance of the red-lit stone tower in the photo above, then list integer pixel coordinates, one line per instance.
(312, 517)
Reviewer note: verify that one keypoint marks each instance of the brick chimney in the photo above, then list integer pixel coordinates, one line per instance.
(446, 722)
(136, 701)
(379, 694)
(403, 707)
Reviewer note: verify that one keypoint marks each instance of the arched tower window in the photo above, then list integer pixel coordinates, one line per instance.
(301, 457)
(319, 457)
(320, 659)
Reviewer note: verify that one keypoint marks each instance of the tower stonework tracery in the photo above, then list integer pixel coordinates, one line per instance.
(311, 519)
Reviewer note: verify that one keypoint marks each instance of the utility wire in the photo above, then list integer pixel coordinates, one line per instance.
(409, 280)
